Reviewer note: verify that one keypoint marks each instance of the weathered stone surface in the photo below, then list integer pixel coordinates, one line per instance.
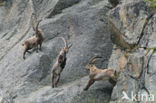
(69, 93)
(50, 8)
(149, 39)
(132, 77)
(138, 73)
(84, 25)
(114, 2)
(149, 36)
(127, 23)
(118, 59)
(62, 4)
(14, 23)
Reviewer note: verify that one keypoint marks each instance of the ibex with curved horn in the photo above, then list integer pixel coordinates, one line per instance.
(39, 34)
(33, 41)
(60, 64)
(97, 74)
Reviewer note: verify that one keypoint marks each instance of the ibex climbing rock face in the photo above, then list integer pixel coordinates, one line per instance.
(39, 34)
(97, 74)
(60, 64)
(33, 41)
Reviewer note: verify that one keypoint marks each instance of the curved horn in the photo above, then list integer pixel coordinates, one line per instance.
(33, 16)
(33, 26)
(38, 25)
(94, 59)
(65, 43)
(70, 45)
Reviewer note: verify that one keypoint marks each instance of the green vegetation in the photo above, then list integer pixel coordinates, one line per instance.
(118, 75)
(2, 2)
(154, 94)
(152, 3)
(135, 48)
(148, 49)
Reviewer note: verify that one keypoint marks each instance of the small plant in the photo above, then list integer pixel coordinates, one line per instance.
(133, 50)
(152, 3)
(118, 75)
(1, 3)
(148, 49)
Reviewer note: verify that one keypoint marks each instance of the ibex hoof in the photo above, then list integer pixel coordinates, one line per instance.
(85, 89)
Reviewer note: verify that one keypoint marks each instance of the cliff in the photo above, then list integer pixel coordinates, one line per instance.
(123, 34)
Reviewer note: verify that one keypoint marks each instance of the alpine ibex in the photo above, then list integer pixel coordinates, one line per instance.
(60, 64)
(33, 41)
(97, 74)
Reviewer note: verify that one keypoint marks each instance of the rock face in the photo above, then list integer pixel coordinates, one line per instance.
(150, 35)
(124, 21)
(133, 27)
(83, 23)
(114, 2)
(86, 24)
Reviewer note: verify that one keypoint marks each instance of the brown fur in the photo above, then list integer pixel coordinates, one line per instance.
(97, 74)
(60, 64)
(33, 41)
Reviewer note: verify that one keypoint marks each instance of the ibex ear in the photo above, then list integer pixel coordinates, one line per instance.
(70, 45)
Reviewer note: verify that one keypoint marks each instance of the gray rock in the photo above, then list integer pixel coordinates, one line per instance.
(114, 2)
(50, 8)
(69, 93)
(28, 81)
(133, 76)
(84, 24)
(118, 60)
(62, 4)
(149, 39)
(137, 67)
(127, 23)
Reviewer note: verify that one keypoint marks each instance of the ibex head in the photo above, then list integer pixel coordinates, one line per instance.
(66, 47)
(91, 62)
